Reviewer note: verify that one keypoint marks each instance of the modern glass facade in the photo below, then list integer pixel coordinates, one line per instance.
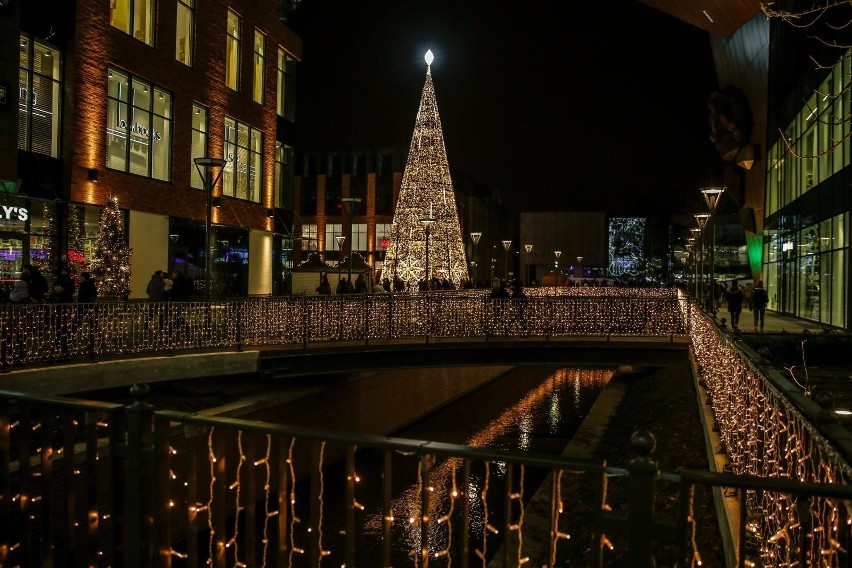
(806, 244)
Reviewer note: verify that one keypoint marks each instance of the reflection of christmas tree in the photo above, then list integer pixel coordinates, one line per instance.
(77, 261)
(43, 258)
(426, 193)
(111, 265)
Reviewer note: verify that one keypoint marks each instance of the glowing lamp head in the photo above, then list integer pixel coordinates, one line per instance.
(429, 57)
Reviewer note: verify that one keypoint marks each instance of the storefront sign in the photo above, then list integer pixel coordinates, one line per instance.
(10, 213)
(787, 246)
(141, 130)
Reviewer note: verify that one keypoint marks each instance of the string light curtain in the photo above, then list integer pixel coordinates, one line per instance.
(426, 193)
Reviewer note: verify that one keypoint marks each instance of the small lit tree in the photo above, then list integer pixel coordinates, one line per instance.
(111, 265)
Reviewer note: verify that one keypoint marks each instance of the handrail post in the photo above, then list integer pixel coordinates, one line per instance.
(640, 514)
(139, 419)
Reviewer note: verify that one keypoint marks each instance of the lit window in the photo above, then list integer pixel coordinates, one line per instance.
(199, 142)
(232, 52)
(134, 17)
(259, 66)
(309, 237)
(39, 97)
(286, 86)
(185, 30)
(138, 126)
(244, 168)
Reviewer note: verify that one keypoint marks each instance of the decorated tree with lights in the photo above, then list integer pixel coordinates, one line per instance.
(111, 265)
(426, 205)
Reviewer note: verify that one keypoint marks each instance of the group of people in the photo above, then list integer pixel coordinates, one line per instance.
(164, 286)
(33, 287)
(754, 298)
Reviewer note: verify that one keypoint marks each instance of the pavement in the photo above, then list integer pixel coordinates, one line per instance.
(773, 322)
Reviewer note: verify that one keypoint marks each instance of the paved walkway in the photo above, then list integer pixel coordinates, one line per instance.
(773, 322)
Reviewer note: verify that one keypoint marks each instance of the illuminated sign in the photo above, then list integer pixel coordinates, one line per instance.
(787, 246)
(141, 130)
(9, 213)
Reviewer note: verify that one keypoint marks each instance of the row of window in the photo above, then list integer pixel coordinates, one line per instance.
(310, 234)
(819, 141)
(137, 17)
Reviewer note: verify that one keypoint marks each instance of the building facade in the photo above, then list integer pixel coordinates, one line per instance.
(336, 192)
(117, 100)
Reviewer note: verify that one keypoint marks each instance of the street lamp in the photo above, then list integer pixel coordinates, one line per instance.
(428, 223)
(348, 208)
(474, 240)
(529, 249)
(712, 195)
(579, 265)
(506, 245)
(701, 219)
(207, 167)
(557, 253)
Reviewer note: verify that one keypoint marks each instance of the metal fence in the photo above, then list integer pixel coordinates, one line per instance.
(50, 332)
(92, 484)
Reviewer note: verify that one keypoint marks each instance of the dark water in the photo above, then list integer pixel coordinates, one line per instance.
(531, 409)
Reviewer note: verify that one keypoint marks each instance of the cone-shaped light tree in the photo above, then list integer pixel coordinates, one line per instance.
(426, 206)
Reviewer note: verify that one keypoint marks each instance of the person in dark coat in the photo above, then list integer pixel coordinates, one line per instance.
(181, 287)
(36, 282)
(759, 299)
(734, 297)
(88, 291)
(63, 287)
(324, 289)
(156, 288)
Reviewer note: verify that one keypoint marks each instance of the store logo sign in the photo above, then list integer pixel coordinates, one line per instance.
(141, 130)
(9, 213)
(787, 246)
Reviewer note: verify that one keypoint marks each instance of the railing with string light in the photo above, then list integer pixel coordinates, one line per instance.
(50, 332)
(228, 492)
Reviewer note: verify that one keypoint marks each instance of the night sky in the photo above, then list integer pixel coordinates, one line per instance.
(600, 107)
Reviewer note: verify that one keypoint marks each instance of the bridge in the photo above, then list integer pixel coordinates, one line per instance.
(786, 457)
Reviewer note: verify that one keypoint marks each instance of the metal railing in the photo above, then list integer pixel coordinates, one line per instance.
(51, 332)
(93, 484)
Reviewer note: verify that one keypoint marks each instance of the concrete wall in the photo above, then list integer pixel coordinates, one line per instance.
(260, 267)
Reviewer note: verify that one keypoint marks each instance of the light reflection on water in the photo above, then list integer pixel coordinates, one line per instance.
(540, 404)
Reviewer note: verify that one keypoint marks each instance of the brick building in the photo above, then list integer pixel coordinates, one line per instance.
(117, 99)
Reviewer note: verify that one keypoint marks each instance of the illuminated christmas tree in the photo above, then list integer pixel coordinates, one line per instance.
(111, 265)
(426, 204)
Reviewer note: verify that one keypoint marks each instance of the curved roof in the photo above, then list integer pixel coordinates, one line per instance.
(719, 17)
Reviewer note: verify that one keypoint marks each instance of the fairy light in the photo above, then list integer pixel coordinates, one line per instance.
(320, 499)
(293, 518)
(426, 192)
(235, 486)
(267, 487)
(211, 458)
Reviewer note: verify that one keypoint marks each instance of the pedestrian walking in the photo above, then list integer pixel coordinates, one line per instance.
(324, 289)
(88, 291)
(734, 297)
(759, 299)
(36, 282)
(748, 289)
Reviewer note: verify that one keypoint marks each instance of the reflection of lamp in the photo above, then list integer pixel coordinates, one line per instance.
(474, 239)
(528, 249)
(428, 223)
(348, 208)
(712, 195)
(207, 167)
(557, 253)
(506, 245)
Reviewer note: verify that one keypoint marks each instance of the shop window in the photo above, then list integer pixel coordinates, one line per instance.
(134, 17)
(244, 168)
(259, 66)
(232, 52)
(199, 143)
(39, 97)
(310, 241)
(332, 231)
(184, 36)
(139, 124)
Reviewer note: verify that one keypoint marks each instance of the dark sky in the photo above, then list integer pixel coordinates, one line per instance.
(599, 105)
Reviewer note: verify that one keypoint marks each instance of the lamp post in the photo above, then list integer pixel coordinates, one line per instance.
(348, 208)
(428, 223)
(207, 167)
(712, 195)
(506, 245)
(557, 254)
(474, 240)
(529, 249)
(579, 265)
(701, 219)
(340, 240)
